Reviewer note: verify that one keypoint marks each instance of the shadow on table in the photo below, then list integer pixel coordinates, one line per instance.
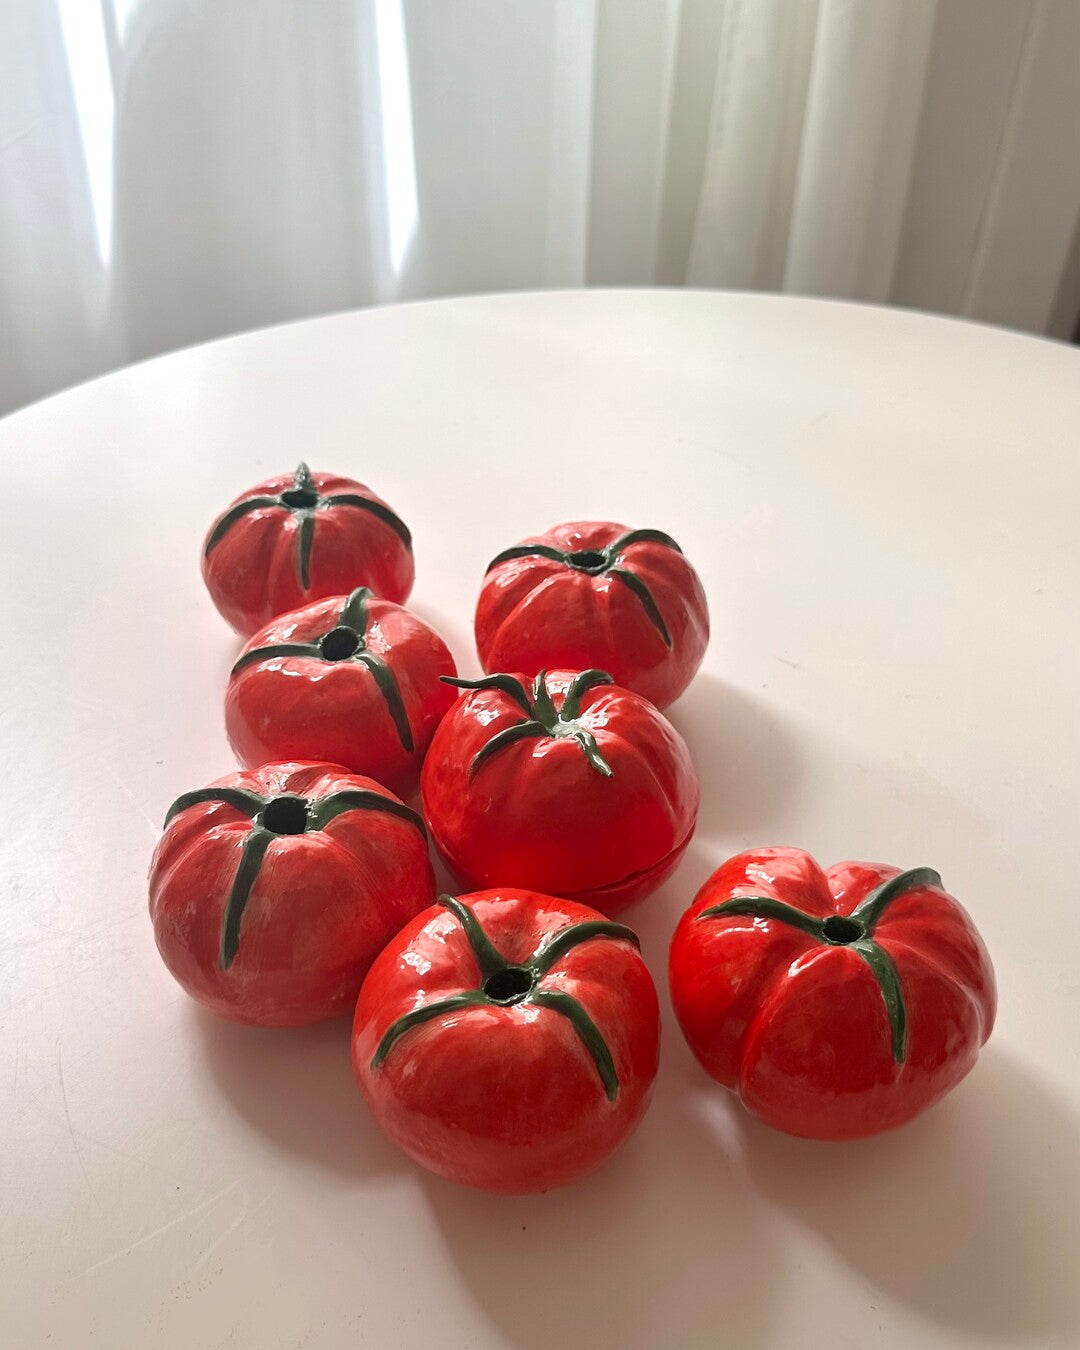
(659, 1248)
(296, 1087)
(971, 1214)
(456, 631)
(746, 756)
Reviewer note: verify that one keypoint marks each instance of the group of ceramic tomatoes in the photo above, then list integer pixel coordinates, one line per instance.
(509, 1037)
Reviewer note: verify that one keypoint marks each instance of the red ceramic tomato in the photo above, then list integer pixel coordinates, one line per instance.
(300, 537)
(508, 1040)
(836, 1003)
(353, 680)
(575, 788)
(592, 593)
(272, 892)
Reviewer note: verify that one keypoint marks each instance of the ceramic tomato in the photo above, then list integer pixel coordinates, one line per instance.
(300, 537)
(272, 892)
(508, 1040)
(592, 593)
(353, 680)
(836, 1003)
(575, 788)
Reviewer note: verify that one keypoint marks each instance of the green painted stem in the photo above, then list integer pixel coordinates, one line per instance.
(355, 613)
(303, 479)
(309, 649)
(354, 620)
(251, 856)
(491, 963)
(318, 814)
(764, 907)
(881, 897)
(229, 519)
(566, 939)
(488, 957)
(387, 685)
(361, 799)
(472, 998)
(543, 718)
(856, 933)
(520, 731)
(888, 978)
(643, 593)
(305, 537)
(642, 537)
(506, 683)
(376, 509)
(587, 741)
(526, 551)
(239, 798)
(607, 558)
(302, 499)
(569, 1007)
(543, 704)
(588, 679)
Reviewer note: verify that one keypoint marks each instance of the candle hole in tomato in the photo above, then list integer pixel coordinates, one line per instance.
(285, 815)
(839, 928)
(588, 560)
(339, 644)
(509, 985)
(300, 499)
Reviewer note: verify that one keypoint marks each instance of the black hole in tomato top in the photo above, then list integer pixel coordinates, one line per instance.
(839, 928)
(588, 560)
(509, 985)
(285, 815)
(300, 498)
(339, 644)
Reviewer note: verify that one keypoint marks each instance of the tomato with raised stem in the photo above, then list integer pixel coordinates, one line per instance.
(353, 680)
(271, 892)
(301, 537)
(836, 1003)
(594, 593)
(572, 787)
(508, 1040)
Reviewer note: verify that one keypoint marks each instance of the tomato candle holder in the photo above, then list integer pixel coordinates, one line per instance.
(572, 787)
(508, 1040)
(271, 892)
(352, 680)
(837, 1003)
(596, 594)
(300, 537)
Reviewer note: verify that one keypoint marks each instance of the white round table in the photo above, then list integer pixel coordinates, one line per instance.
(883, 507)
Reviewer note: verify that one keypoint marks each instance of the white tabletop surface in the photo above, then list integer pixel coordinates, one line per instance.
(884, 509)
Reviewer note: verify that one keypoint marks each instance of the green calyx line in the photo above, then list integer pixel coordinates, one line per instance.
(603, 562)
(504, 984)
(542, 717)
(303, 499)
(347, 641)
(271, 818)
(854, 930)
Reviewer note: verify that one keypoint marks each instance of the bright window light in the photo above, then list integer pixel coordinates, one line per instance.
(83, 28)
(399, 159)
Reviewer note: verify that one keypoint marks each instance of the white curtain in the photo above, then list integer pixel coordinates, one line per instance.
(172, 170)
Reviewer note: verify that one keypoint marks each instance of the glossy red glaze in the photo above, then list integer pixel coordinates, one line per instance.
(252, 571)
(536, 613)
(798, 1027)
(537, 814)
(308, 707)
(322, 906)
(506, 1098)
